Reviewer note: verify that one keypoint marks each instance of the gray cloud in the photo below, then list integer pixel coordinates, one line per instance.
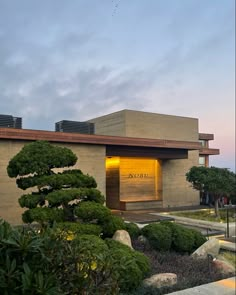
(74, 60)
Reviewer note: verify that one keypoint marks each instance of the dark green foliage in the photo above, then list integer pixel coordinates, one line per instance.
(131, 266)
(56, 198)
(133, 230)
(45, 263)
(111, 225)
(23, 266)
(71, 178)
(158, 235)
(217, 182)
(199, 239)
(184, 239)
(79, 228)
(91, 211)
(90, 243)
(40, 157)
(43, 215)
(32, 200)
(35, 162)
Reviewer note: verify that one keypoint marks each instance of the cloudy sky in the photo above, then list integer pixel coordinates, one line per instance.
(78, 59)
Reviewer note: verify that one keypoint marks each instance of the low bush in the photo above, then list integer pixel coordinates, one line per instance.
(110, 225)
(133, 230)
(77, 228)
(159, 236)
(90, 244)
(130, 266)
(199, 239)
(184, 239)
(91, 211)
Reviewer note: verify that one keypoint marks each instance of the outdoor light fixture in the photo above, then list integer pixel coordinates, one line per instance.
(210, 259)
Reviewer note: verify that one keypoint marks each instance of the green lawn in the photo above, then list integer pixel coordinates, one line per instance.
(208, 214)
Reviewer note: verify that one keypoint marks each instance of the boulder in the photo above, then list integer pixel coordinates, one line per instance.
(123, 237)
(161, 280)
(142, 239)
(223, 266)
(212, 246)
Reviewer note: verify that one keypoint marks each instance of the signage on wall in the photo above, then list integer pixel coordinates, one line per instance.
(138, 175)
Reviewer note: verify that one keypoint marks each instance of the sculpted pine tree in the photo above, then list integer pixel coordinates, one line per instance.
(56, 195)
(218, 182)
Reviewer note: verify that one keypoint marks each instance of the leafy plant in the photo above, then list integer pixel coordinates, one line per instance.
(77, 228)
(44, 262)
(111, 225)
(131, 266)
(133, 230)
(158, 235)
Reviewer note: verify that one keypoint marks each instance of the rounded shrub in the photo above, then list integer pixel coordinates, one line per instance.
(133, 230)
(130, 266)
(90, 244)
(199, 239)
(110, 225)
(91, 211)
(77, 228)
(158, 235)
(184, 239)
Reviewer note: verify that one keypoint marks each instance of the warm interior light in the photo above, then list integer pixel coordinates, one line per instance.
(112, 162)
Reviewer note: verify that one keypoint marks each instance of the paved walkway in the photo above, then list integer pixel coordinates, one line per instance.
(143, 217)
(223, 287)
(146, 216)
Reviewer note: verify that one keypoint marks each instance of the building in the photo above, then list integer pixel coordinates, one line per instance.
(10, 121)
(138, 159)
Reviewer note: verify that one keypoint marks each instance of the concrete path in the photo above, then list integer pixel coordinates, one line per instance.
(223, 287)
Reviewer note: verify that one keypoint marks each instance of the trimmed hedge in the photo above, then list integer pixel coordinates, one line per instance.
(171, 236)
(90, 244)
(133, 230)
(77, 228)
(158, 235)
(111, 225)
(91, 211)
(130, 266)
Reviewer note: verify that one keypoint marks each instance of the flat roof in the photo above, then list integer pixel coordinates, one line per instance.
(52, 136)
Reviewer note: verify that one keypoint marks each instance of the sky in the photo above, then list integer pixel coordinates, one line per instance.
(79, 59)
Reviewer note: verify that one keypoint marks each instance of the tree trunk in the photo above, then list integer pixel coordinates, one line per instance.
(216, 206)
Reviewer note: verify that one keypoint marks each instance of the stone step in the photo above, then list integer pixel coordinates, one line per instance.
(140, 205)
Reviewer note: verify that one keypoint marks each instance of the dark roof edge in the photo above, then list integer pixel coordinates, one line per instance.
(31, 135)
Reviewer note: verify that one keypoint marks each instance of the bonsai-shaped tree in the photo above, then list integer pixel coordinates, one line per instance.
(219, 182)
(55, 195)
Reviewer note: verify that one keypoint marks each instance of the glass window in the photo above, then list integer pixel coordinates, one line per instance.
(202, 161)
(203, 142)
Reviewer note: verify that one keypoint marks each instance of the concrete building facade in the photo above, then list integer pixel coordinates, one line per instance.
(138, 159)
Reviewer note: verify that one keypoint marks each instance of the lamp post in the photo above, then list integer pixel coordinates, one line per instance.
(227, 218)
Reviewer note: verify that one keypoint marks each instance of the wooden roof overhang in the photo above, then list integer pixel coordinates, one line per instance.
(209, 151)
(115, 145)
(206, 136)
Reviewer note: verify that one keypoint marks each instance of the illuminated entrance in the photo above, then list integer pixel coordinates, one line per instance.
(131, 179)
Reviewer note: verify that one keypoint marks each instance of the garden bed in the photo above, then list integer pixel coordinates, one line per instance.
(190, 272)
